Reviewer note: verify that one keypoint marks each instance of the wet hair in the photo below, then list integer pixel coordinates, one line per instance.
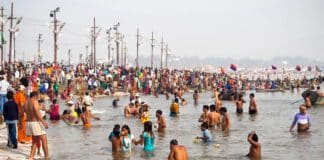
(212, 107)
(86, 93)
(255, 137)
(206, 107)
(33, 94)
(127, 128)
(54, 101)
(308, 94)
(148, 126)
(223, 109)
(204, 125)
(159, 112)
(252, 95)
(41, 101)
(176, 100)
(10, 95)
(173, 142)
(116, 127)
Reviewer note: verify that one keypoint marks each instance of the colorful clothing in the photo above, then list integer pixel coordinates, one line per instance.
(148, 142)
(20, 99)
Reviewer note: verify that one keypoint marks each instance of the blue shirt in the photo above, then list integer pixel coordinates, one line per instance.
(10, 111)
(148, 142)
(206, 133)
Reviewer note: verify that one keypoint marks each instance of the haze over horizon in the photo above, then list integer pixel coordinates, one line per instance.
(254, 29)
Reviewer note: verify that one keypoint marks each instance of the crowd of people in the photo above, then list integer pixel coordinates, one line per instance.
(24, 88)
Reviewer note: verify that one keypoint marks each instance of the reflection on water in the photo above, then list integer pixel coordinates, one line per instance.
(271, 124)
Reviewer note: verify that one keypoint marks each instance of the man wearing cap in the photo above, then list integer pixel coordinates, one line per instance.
(20, 99)
(4, 86)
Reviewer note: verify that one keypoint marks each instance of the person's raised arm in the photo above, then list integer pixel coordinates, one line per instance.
(251, 141)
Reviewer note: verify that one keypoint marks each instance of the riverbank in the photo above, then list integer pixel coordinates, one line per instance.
(7, 153)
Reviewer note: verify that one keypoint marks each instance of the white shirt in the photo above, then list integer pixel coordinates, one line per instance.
(4, 85)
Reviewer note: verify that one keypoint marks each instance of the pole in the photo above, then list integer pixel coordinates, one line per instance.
(166, 56)
(10, 31)
(94, 43)
(121, 50)
(152, 48)
(14, 47)
(117, 46)
(161, 53)
(87, 54)
(125, 54)
(69, 53)
(2, 29)
(39, 49)
(109, 39)
(137, 47)
(91, 50)
(55, 38)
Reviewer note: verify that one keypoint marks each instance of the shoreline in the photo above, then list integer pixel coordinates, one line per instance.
(7, 153)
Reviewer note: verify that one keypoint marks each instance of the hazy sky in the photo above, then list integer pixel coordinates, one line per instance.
(219, 28)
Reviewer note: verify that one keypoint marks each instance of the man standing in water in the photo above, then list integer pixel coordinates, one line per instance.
(35, 126)
(177, 152)
(239, 104)
(255, 148)
(302, 119)
(253, 109)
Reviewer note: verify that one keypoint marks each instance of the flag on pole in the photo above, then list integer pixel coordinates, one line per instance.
(3, 41)
(233, 67)
(298, 68)
(273, 67)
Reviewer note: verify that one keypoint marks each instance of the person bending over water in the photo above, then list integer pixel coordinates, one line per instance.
(177, 152)
(213, 117)
(206, 136)
(147, 137)
(253, 108)
(302, 119)
(255, 148)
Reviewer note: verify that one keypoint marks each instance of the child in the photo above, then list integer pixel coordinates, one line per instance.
(225, 119)
(255, 148)
(54, 111)
(127, 139)
(147, 137)
(183, 102)
(196, 97)
(206, 136)
(145, 115)
(161, 121)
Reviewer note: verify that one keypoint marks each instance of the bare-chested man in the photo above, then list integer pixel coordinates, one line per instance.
(239, 104)
(35, 126)
(130, 110)
(177, 152)
(213, 117)
(218, 103)
(255, 148)
(204, 116)
(160, 121)
(225, 119)
(86, 117)
(253, 108)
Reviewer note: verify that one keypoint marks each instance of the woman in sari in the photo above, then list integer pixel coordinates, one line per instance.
(20, 99)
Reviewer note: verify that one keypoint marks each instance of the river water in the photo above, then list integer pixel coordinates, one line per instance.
(276, 113)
